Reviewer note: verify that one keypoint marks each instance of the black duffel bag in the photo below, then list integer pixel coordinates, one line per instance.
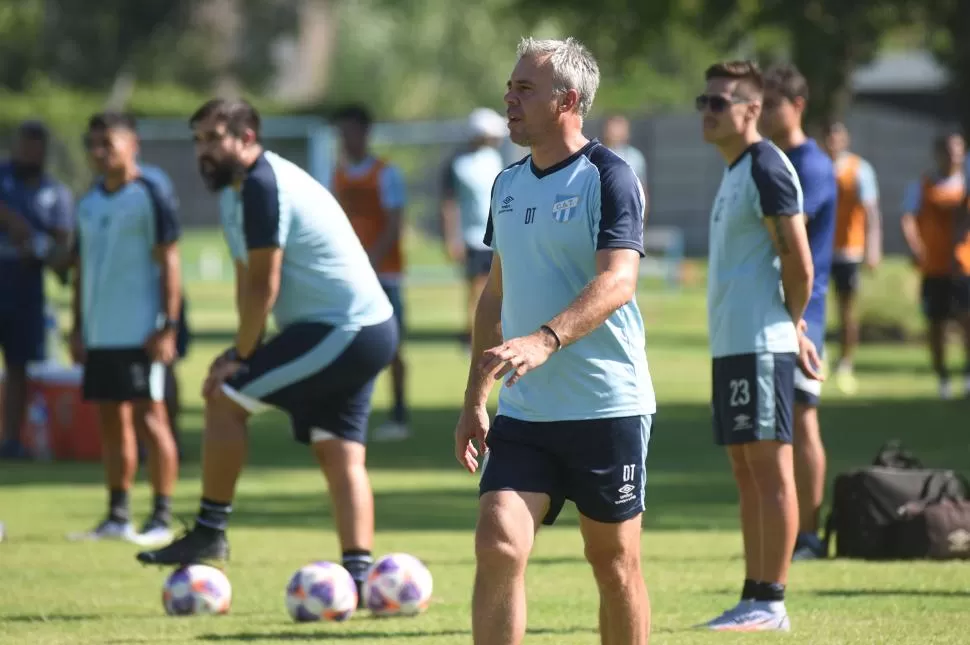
(877, 511)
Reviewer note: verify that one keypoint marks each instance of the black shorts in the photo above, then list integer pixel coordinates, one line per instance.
(753, 398)
(118, 375)
(945, 297)
(478, 262)
(22, 334)
(322, 376)
(600, 464)
(845, 277)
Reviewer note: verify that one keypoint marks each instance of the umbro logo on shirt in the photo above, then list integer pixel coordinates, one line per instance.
(507, 204)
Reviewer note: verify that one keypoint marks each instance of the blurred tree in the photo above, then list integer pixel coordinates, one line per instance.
(21, 47)
(827, 39)
(949, 24)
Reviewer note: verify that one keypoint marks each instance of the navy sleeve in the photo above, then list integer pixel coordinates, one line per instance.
(165, 212)
(62, 212)
(779, 191)
(621, 208)
(448, 183)
(261, 208)
(489, 229)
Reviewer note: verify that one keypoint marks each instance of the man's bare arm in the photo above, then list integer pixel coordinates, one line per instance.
(615, 285)
(790, 240)
(486, 333)
(873, 232)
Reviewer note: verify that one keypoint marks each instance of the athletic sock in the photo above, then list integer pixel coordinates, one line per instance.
(162, 509)
(769, 592)
(748, 591)
(400, 413)
(357, 562)
(118, 505)
(213, 517)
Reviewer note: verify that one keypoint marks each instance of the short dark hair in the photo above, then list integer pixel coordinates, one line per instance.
(746, 71)
(355, 113)
(110, 120)
(788, 81)
(833, 126)
(940, 141)
(238, 115)
(34, 131)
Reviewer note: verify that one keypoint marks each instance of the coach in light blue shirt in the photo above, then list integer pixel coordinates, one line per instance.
(558, 323)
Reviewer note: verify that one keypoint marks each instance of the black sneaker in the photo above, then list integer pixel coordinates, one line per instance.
(194, 547)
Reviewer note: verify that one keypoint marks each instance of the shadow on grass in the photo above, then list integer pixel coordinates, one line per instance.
(689, 482)
(50, 618)
(889, 593)
(295, 635)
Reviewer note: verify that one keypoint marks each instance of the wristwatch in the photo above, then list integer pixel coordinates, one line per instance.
(170, 324)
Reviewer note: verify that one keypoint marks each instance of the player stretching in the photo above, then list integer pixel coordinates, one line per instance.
(938, 234)
(297, 256)
(786, 95)
(566, 226)
(126, 310)
(858, 239)
(466, 193)
(756, 334)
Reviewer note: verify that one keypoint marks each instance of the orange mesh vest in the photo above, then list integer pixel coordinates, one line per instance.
(850, 215)
(360, 197)
(937, 222)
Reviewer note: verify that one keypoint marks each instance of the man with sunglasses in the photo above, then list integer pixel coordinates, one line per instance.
(127, 304)
(759, 283)
(36, 218)
(786, 95)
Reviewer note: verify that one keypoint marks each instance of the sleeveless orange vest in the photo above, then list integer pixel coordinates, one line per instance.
(937, 222)
(850, 214)
(360, 197)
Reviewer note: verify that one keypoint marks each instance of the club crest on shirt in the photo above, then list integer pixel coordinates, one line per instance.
(565, 207)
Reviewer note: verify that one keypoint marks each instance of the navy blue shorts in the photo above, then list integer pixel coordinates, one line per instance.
(22, 335)
(945, 297)
(753, 398)
(393, 293)
(122, 374)
(845, 277)
(599, 464)
(478, 262)
(322, 376)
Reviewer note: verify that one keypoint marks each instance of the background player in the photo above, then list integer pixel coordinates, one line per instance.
(785, 99)
(562, 290)
(935, 227)
(126, 312)
(36, 219)
(858, 239)
(372, 193)
(756, 334)
(297, 256)
(466, 193)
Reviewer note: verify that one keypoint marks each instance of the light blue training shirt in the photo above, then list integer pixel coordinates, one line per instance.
(468, 179)
(746, 306)
(326, 275)
(546, 227)
(118, 232)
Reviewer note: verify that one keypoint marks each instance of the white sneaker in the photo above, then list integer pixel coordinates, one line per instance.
(153, 534)
(754, 617)
(946, 390)
(728, 615)
(107, 530)
(392, 431)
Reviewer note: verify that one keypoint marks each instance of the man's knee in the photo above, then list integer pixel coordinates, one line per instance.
(615, 559)
(224, 417)
(502, 539)
(340, 459)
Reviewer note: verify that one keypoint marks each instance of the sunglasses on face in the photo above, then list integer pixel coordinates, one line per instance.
(716, 102)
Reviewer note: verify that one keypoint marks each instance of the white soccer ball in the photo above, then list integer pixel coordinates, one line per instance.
(321, 591)
(196, 589)
(398, 585)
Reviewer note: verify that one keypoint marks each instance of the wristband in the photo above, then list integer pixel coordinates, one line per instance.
(549, 330)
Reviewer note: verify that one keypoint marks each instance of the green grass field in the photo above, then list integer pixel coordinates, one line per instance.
(55, 592)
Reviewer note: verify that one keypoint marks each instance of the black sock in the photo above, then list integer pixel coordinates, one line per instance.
(944, 375)
(357, 562)
(749, 589)
(162, 509)
(400, 413)
(769, 592)
(118, 505)
(213, 516)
